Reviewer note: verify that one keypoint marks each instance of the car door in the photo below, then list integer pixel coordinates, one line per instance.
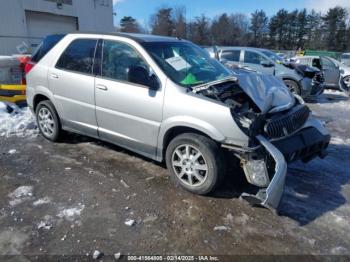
(258, 62)
(331, 72)
(128, 112)
(72, 83)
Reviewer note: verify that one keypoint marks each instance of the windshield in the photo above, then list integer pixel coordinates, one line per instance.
(346, 56)
(185, 63)
(273, 56)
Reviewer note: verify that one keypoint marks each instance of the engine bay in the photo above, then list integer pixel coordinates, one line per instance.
(244, 111)
(248, 115)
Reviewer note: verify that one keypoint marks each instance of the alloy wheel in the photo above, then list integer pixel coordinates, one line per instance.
(189, 165)
(46, 122)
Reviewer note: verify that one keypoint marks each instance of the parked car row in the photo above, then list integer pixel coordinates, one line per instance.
(306, 76)
(167, 99)
(336, 74)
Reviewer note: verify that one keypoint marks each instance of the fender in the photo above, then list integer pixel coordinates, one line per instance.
(187, 121)
(41, 90)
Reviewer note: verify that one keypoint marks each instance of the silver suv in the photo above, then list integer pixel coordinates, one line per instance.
(166, 99)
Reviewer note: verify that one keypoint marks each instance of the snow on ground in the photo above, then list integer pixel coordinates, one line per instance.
(20, 122)
(329, 176)
(42, 201)
(21, 194)
(71, 214)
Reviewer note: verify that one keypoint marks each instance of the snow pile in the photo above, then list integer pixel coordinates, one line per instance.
(42, 201)
(71, 214)
(340, 141)
(16, 122)
(129, 222)
(20, 195)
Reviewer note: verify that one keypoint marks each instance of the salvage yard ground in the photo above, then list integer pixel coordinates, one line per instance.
(82, 195)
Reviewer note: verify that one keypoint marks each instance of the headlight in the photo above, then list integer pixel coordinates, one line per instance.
(256, 172)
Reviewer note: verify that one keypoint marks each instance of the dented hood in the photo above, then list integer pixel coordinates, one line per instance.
(268, 92)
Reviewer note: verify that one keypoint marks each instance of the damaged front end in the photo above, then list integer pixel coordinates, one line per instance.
(268, 173)
(279, 128)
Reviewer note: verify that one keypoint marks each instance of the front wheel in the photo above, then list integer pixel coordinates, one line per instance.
(195, 162)
(292, 86)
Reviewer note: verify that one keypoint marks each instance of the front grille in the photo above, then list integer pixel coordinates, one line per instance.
(288, 123)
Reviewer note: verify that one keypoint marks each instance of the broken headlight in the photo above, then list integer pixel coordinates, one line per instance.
(256, 172)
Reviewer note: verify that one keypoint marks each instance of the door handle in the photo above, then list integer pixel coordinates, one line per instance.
(54, 76)
(102, 87)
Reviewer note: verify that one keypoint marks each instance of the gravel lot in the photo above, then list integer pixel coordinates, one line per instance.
(74, 197)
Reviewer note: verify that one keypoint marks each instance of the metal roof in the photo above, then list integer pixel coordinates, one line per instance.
(141, 38)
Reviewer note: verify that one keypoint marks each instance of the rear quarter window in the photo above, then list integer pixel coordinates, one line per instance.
(45, 46)
(78, 56)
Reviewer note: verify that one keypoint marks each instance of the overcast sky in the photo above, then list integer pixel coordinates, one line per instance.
(142, 9)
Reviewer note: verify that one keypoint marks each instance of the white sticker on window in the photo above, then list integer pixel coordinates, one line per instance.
(178, 63)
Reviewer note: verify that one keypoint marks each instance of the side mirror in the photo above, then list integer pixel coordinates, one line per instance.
(267, 64)
(140, 75)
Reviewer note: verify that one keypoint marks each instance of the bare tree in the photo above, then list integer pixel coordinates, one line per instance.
(162, 22)
(199, 30)
(180, 21)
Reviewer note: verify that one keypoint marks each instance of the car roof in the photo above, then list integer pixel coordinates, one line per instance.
(141, 38)
(225, 48)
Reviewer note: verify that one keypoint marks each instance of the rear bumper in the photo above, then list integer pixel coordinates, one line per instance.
(310, 142)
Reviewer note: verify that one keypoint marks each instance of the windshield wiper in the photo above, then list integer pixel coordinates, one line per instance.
(201, 87)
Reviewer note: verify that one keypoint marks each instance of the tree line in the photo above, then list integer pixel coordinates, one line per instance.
(285, 30)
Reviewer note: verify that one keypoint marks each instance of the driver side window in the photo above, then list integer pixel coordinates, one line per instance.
(118, 58)
(253, 58)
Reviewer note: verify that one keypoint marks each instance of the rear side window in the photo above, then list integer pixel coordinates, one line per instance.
(232, 55)
(79, 56)
(45, 46)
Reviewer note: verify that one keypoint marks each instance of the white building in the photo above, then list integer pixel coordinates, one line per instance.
(23, 23)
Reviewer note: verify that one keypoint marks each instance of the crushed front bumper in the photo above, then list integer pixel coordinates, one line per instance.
(310, 142)
(270, 197)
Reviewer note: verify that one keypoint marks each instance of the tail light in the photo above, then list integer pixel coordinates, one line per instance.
(28, 66)
(25, 67)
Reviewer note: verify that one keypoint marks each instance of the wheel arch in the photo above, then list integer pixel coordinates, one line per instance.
(169, 133)
(39, 98)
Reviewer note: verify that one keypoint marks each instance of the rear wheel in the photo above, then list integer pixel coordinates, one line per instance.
(195, 162)
(48, 121)
(292, 86)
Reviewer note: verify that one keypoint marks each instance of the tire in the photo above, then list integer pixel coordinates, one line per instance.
(48, 120)
(292, 86)
(197, 174)
(346, 84)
